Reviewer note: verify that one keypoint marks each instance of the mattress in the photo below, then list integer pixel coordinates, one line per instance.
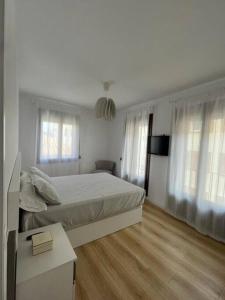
(84, 199)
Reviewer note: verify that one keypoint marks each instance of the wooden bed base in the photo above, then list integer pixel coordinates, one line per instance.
(93, 231)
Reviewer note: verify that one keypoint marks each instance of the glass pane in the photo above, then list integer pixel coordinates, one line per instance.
(191, 162)
(215, 185)
(143, 136)
(67, 141)
(49, 140)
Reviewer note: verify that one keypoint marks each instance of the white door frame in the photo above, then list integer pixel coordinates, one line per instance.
(2, 231)
(8, 123)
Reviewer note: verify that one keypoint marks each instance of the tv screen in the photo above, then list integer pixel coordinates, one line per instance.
(159, 145)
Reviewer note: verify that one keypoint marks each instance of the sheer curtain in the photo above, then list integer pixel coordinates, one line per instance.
(57, 141)
(197, 164)
(135, 147)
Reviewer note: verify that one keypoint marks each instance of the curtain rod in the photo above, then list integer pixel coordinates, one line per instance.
(36, 98)
(212, 90)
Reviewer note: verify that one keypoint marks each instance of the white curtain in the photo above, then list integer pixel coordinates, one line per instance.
(57, 141)
(197, 164)
(135, 147)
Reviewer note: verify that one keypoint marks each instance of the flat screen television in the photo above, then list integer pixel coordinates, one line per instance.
(159, 145)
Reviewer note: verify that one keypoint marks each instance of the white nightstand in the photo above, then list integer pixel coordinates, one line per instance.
(50, 275)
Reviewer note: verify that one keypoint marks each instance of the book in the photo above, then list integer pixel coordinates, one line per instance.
(42, 242)
(41, 238)
(42, 249)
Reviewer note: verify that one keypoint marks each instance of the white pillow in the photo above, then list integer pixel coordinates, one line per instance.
(28, 199)
(38, 172)
(46, 190)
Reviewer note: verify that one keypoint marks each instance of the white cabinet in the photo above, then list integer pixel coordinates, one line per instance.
(50, 275)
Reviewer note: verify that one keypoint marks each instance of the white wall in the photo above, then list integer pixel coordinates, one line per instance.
(157, 191)
(94, 140)
(159, 164)
(10, 126)
(116, 136)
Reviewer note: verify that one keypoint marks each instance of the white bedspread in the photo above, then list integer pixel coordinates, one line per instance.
(85, 199)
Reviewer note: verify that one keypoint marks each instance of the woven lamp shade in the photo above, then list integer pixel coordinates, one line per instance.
(105, 109)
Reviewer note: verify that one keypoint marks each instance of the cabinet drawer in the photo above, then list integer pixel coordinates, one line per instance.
(56, 284)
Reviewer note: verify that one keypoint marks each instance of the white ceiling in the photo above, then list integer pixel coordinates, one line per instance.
(148, 47)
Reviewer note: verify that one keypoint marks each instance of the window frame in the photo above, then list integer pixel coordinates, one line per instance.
(207, 197)
(60, 139)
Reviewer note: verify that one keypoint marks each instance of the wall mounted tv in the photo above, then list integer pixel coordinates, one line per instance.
(159, 145)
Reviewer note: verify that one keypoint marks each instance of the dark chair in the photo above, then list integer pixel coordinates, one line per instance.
(105, 166)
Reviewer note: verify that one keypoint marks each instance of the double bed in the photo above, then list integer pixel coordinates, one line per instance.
(92, 205)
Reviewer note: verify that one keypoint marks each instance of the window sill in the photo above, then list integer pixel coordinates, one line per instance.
(56, 161)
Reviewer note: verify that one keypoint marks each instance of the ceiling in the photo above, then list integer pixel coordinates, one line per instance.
(148, 47)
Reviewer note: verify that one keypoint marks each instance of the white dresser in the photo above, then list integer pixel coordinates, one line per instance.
(50, 275)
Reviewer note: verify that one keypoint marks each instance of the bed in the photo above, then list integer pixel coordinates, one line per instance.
(92, 205)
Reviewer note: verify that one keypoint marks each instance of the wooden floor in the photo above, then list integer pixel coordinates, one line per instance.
(160, 258)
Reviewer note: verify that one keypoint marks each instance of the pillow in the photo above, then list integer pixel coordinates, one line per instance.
(24, 177)
(28, 199)
(38, 172)
(46, 190)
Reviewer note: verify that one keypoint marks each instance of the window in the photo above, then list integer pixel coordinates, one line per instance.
(215, 180)
(135, 147)
(58, 138)
(143, 137)
(197, 163)
(214, 165)
(192, 155)
(198, 154)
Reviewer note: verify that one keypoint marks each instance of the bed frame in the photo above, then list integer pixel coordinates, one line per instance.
(93, 231)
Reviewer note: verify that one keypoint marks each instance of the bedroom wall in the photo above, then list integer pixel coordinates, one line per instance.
(9, 123)
(162, 124)
(162, 121)
(159, 165)
(93, 135)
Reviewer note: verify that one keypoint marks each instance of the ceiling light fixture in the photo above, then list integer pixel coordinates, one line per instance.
(105, 107)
